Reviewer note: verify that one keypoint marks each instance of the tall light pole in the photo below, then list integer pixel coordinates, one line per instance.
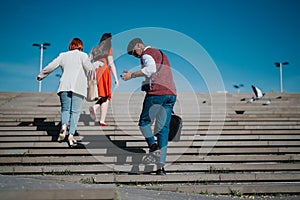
(280, 64)
(238, 87)
(42, 47)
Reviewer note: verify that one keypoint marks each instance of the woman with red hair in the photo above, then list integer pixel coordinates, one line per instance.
(72, 85)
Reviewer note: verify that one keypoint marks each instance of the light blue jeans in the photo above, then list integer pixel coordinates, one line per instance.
(159, 108)
(71, 104)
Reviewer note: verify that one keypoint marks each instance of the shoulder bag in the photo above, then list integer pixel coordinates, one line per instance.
(92, 90)
(175, 128)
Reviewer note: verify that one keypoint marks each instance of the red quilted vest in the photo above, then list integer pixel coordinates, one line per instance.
(163, 83)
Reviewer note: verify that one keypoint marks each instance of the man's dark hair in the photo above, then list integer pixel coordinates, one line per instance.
(132, 43)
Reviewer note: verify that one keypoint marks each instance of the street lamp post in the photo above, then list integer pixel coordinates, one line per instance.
(280, 64)
(42, 47)
(238, 87)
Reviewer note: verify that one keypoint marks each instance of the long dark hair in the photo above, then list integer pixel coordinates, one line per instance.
(102, 49)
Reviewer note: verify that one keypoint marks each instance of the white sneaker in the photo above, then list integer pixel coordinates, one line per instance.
(152, 157)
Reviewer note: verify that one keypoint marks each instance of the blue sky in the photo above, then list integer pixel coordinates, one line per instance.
(238, 40)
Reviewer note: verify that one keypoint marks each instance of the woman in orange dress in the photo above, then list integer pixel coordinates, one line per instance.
(103, 57)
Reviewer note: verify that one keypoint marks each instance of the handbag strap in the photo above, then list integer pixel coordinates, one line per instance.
(162, 61)
(92, 75)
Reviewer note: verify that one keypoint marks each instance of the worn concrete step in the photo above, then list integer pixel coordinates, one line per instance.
(211, 168)
(192, 178)
(119, 98)
(46, 138)
(236, 189)
(116, 151)
(108, 131)
(189, 159)
(51, 126)
(134, 119)
(25, 108)
(192, 144)
(134, 123)
(183, 105)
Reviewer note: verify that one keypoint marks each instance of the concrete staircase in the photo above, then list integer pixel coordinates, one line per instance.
(227, 146)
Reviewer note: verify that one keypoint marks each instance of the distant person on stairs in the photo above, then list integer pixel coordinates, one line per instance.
(159, 100)
(103, 55)
(72, 86)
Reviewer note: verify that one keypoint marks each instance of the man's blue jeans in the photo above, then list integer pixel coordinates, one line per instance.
(159, 108)
(71, 104)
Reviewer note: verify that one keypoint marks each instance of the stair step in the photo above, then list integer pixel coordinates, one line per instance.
(220, 151)
(91, 159)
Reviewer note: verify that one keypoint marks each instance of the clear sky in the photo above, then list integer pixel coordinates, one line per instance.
(223, 42)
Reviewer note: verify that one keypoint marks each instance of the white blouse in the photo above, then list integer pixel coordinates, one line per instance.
(75, 65)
